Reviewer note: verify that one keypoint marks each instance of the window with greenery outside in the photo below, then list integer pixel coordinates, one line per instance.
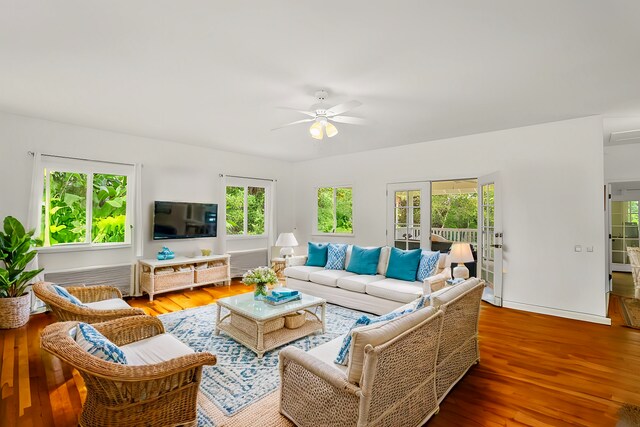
(335, 210)
(251, 222)
(65, 209)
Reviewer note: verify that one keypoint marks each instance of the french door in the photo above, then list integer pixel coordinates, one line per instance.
(409, 215)
(490, 237)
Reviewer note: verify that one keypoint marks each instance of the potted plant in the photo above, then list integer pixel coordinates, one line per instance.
(15, 254)
(260, 277)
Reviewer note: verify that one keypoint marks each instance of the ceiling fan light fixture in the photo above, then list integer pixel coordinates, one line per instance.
(316, 130)
(331, 130)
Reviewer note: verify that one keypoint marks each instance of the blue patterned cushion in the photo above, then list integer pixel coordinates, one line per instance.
(428, 263)
(343, 354)
(65, 294)
(317, 254)
(336, 256)
(403, 265)
(96, 344)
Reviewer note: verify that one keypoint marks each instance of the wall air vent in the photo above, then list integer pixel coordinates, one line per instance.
(625, 137)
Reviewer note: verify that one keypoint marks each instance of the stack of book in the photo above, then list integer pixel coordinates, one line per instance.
(282, 296)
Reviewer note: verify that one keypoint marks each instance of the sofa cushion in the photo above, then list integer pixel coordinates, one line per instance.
(377, 334)
(357, 283)
(317, 254)
(156, 349)
(301, 272)
(66, 295)
(428, 265)
(336, 256)
(403, 265)
(328, 277)
(327, 353)
(108, 304)
(96, 344)
(449, 293)
(395, 290)
(364, 261)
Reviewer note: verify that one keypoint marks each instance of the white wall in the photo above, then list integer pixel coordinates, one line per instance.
(552, 176)
(622, 163)
(171, 171)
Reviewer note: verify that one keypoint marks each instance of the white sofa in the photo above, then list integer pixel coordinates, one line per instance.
(375, 294)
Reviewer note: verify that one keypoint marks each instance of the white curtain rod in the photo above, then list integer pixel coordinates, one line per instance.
(31, 153)
(247, 177)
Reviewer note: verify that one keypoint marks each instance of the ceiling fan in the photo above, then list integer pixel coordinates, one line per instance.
(323, 116)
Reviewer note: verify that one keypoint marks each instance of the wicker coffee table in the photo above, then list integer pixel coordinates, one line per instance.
(261, 327)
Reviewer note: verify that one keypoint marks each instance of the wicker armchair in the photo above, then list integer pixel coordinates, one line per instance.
(459, 347)
(634, 260)
(162, 394)
(64, 310)
(396, 387)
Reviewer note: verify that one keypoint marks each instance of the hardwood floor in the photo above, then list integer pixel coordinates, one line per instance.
(535, 370)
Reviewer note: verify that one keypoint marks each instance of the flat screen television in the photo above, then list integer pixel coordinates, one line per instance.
(180, 220)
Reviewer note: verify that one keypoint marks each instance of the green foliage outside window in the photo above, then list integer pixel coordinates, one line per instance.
(64, 220)
(235, 215)
(338, 217)
(454, 211)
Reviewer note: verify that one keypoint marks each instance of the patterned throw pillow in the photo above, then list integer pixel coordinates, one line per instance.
(336, 255)
(428, 264)
(96, 344)
(343, 354)
(65, 294)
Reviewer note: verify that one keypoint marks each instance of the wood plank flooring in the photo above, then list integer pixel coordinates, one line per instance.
(535, 370)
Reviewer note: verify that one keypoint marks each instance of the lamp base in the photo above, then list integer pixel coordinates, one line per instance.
(286, 251)
(461, 272)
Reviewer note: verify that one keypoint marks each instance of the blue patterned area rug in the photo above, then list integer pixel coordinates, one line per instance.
(239, 378)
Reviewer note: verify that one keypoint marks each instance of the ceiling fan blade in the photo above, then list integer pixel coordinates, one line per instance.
(342, 108)
(294, 123)
(349, 120)
(308, 113)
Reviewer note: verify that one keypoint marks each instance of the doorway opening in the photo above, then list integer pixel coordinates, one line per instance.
(624, 232)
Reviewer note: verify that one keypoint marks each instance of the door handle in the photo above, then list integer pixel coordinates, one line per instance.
(497, 246)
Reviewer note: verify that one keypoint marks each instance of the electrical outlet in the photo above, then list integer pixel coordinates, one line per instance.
(578, 248)
(589, 248)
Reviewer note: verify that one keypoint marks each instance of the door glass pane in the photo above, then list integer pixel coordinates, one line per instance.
(414, 197)
(401, 198)
(401, 215)
(488, 233)
(416, 216)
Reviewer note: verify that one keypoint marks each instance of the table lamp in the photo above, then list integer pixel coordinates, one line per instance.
(286, 241)
(461, 253)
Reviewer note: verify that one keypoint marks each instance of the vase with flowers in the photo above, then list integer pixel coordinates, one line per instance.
(260, 278)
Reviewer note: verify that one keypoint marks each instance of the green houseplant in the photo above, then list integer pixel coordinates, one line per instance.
(260, 277)
(15, 254)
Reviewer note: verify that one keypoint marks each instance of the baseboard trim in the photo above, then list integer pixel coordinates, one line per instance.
(556, 312)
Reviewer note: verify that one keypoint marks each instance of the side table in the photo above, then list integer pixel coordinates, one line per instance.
(278, 265)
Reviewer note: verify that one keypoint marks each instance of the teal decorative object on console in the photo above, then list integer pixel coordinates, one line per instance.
(165, 253)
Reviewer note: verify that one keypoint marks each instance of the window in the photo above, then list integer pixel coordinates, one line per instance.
(334, 210)
(245, 210)
(84, 203)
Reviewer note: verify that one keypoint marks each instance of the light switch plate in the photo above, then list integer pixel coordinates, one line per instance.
(589, 248)
(578, 248)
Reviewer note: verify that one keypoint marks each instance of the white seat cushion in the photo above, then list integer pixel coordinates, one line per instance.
(159, 348)
(327, 353)
(329, 277)
(395, 290)
(358, 282)
(301, 272)
(108, 304)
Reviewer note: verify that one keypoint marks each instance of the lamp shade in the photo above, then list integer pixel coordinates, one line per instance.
(287, 240)
(461, 253)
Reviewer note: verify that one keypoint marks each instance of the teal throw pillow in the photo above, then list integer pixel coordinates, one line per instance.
(428, 263)
(336, 256)
(403, 265)
(364, 261)
(317, 254)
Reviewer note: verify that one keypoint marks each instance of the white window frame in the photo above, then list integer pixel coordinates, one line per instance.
(88, 167)
(245, 183)
(316, 232)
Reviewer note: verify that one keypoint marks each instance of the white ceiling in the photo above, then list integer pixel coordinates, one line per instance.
(212, 72)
